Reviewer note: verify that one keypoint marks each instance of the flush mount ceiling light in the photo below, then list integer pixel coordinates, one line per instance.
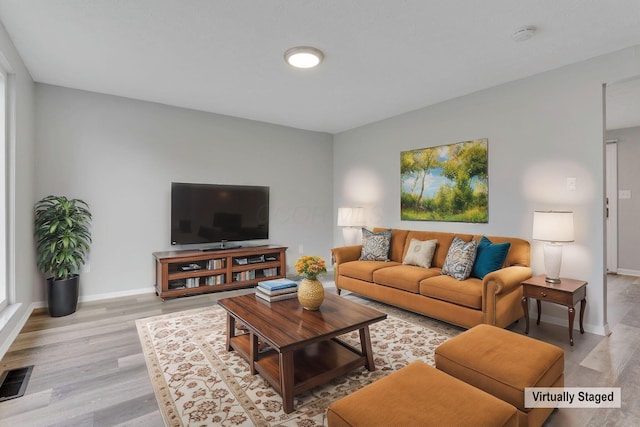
(524, 33)
(303, 57)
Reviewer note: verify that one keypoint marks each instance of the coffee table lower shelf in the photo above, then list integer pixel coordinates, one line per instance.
(313, 365)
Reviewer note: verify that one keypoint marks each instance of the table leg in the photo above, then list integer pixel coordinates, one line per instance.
(286, 380)
(525, 307)
(365, 345)
(231, 330)
(583, 305)
(572, 316)
(253, 351)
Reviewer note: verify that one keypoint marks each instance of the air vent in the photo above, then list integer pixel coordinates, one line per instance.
(13, 383)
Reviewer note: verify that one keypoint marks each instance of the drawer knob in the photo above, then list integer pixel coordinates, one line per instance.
(543, 294)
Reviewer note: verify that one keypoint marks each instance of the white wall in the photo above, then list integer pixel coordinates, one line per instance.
(121, 155)
(22, 268)
(628, 209)
(541, 130)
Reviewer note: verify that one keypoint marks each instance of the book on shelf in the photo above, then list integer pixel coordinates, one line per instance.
(215, 280)
(275, 284)
(273, 298)
(270, 272)
(193, 282)
(272, 292)
(245, 275)
(214, 264)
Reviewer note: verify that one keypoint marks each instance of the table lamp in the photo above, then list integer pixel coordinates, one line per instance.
(553, 227)
(351, 220)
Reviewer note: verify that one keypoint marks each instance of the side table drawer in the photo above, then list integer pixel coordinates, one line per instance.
(545, 294)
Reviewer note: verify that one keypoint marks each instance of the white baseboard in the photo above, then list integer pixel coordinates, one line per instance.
(602, 330)
(628, 272)
(128, 293)
(98, 297)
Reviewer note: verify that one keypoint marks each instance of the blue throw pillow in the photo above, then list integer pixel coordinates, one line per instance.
(490, 257)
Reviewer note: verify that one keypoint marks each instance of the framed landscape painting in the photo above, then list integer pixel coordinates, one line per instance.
(446, 183)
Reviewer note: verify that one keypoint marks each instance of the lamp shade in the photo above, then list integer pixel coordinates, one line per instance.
(350, 217)
(553, 226)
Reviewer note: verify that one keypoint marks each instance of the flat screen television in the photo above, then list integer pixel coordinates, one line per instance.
(211, 213)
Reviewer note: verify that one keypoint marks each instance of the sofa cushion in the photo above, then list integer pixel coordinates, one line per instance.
(375, 245)
(490, 257)
(398, 240)
(460, 258)
(404, 277)
(420, 395)
(444, 241)
(363, 270)
(420, 253)
(467, 293)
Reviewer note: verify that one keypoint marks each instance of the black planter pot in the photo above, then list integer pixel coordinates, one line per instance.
(62, 296)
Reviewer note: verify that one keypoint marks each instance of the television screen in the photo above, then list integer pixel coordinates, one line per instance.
(210, 213)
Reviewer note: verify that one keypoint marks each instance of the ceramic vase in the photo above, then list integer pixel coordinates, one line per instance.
(310, 294)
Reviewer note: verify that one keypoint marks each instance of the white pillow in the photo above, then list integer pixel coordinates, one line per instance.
(420, 252)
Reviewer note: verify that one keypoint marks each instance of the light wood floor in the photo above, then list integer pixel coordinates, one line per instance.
(89, 369)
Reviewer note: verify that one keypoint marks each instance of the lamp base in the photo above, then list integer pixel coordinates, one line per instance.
(552, 280)
(552, 261)
(352, 235)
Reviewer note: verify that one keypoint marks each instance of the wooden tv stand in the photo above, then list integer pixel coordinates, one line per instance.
(192, 272)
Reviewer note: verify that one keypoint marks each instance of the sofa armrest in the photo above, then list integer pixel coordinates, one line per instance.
(497, 287)
(345, 254)
(341, 255)
(505, 280)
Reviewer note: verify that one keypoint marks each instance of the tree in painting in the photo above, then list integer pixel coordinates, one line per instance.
(446, 183)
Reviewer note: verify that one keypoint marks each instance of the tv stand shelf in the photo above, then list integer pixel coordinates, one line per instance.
(192, 272)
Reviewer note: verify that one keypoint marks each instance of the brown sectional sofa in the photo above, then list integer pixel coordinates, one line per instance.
(494, 300)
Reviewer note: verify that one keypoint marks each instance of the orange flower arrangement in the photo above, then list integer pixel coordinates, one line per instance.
(310, 267)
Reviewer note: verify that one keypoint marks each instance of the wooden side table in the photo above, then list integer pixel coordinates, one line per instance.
(568, 292)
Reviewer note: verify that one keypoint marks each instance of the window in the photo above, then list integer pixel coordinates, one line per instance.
(4, 228)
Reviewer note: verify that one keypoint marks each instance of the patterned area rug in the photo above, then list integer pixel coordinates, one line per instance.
(197, 382)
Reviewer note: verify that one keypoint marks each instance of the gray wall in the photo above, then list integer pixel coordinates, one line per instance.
(628, 209)
(121, 156)
(541, 130)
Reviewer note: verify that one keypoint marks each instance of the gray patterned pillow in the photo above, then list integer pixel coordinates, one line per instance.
(375, 246)
(460, 258)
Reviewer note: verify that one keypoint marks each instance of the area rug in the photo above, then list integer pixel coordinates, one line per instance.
(198, 383)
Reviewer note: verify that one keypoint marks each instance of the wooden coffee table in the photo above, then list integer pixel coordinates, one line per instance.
(304, 349)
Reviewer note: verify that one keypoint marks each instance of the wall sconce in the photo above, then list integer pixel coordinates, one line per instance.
(351, 220)
(553, 227)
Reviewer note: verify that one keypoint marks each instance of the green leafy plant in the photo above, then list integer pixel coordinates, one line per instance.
(62, 235)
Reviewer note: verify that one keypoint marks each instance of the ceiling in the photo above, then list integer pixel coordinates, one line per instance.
(382, 57)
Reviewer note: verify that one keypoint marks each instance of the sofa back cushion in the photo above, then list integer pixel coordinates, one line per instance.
(442, 248)
(398, 239)
(519, 252)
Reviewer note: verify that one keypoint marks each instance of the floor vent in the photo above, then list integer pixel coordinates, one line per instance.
(13, 383)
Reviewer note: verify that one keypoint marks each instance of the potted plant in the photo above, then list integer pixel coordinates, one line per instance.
(62, 242)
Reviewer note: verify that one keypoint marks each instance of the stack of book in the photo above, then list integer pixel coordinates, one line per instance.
(277, 289)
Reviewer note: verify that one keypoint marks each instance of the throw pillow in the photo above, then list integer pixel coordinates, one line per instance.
(420, 252)
(490, 257)
(460, 258)
(375, 246)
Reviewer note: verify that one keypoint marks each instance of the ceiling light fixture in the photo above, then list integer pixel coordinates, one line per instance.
(524, 33)
(303, 57)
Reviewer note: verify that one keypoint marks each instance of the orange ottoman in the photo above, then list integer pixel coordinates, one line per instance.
(504, 363)
(420, 395)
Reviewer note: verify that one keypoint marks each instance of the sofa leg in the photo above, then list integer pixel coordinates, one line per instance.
(338, 290)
